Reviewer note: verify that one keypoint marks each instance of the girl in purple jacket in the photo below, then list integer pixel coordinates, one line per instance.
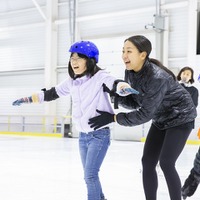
(85, 87)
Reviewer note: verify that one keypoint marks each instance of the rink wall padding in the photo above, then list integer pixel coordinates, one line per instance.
(59, 135)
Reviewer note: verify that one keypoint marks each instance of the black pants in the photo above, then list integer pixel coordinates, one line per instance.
(164, 146)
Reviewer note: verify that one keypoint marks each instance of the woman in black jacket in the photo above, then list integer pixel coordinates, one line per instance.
(164, 101)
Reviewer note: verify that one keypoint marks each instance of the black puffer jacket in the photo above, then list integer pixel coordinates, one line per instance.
(161, 99)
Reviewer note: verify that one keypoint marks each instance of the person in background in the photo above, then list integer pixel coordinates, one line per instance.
(186, 79)
(85, 85)
(164, 101)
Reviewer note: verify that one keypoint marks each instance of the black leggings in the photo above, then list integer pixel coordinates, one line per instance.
(164, 146)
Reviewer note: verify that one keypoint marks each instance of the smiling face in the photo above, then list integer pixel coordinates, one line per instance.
(132, 58)
(78, 64)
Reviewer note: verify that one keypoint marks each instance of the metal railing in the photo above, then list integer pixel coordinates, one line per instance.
(61, 125)
(34, 123)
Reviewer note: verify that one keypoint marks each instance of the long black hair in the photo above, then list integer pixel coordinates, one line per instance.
(144, 45)
(159, 64)
(91, 66)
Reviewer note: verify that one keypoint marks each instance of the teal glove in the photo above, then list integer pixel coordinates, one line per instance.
(127, 91)
(26, 100)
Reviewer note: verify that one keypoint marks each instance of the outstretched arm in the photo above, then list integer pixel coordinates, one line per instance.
(45, 95)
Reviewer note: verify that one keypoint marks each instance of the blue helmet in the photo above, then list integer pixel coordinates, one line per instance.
(86, 48)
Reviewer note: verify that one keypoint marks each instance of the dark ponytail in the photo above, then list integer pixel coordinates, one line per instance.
(159, 64)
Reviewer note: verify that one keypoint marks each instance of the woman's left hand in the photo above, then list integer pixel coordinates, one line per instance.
(124, 89)
(101, 120)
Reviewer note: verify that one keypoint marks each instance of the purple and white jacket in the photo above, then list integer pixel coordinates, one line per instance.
(87, 96)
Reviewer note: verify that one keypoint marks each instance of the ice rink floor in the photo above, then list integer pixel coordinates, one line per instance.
(44, 168)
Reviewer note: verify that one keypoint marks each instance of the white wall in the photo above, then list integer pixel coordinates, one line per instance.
(22, 45)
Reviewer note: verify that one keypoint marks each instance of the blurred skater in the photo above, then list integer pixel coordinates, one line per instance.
(186, 79)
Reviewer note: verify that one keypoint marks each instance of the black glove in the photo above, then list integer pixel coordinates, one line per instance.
(190, 185)
(101, 120)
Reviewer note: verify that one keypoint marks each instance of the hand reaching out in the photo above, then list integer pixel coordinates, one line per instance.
(18, 102)
(26, 100)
